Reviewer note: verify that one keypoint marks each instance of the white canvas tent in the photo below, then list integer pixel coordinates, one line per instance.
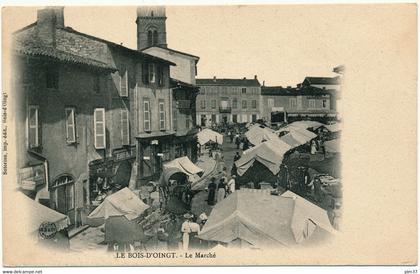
(34, 214)
(122, 203)
(257, 134)
(269, 153)
(306, 124)
(263, 220)
(334, 127)
(332, 146)
(182, 164)
(207, 135)
(297, 137)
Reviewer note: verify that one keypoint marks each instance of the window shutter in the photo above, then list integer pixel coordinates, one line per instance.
(125, 130)
(70, 125)
(162, 115)
(33, 127)
(124, 84)
(99, 128)
(146, 116)
(145, 71)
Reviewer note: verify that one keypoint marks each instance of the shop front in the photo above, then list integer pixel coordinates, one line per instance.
(110, 174)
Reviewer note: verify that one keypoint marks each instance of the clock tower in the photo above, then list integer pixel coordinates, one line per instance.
(151, 27)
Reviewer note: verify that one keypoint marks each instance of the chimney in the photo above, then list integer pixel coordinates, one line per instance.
(244, 78)
(264, 83)
(214, 78)
(289, 86)
(46, 25)
(59, 16)
(255, 77)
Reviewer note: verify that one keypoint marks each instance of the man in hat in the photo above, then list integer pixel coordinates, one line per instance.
(190, 231)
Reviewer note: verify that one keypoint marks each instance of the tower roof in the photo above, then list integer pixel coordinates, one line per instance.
(151, 11)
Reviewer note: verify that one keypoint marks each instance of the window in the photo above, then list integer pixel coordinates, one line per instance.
(203, 90)
(145, 73)
(292, 102)
(243, 90)
(152, 72)
(270, 102)
(254, 104)
(124, 84)
(213, 119)
(235, 103)
(69, 190)
(162, 115)
(213, 104)
(155, 37)
(244, 118)
(99, 128)
(254, 117)
(125, 128)
(146, 115)
(234, 118)
(149, 38)
(243, 103)
(203, 104)
(160, 75)
(311, 103)
(52, 77)
(224, 90)
(70, 125)
(174, 118)
(33, 127)
(97, 84)
(187, 123)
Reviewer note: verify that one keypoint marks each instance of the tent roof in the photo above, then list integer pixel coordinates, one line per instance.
(334, 127)
(267, 220)
(269, 153)
(257, 134)
(34, 214)
(206, 135)
(182, 164)
(306, 124)
(332, 146)
(122, 203)
(297, 137)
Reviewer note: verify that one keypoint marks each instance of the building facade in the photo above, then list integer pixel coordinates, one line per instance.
(228, 101)
(281, 105)
(92, 114)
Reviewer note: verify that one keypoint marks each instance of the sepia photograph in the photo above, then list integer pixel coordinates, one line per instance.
(174, 133)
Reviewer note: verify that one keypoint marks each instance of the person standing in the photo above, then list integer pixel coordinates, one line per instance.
(237, 141)
(231, 184)
(172, 230)
(212, 191)
(221, 191)
(190, 230)
(236, 157)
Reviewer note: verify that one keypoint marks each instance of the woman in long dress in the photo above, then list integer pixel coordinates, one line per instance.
(212, 191)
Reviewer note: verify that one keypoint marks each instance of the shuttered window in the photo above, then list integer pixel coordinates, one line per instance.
(145, 73)
(124, 84)
(162, 115)
(99, 128)
(146, 115)
(70, 125)
(160, 75)
(33, 127)
(152, 73)
(125, 128)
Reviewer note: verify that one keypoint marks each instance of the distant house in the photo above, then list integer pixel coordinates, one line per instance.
(281, 104)
(228, 101)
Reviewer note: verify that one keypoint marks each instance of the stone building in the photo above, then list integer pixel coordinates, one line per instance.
(281, 104)
(91, 114)
(228, 101)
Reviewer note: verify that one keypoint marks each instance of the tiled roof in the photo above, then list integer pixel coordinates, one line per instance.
(323, 80)
(32, 48)
(115, 45)
(281, 91)
(228, 82)
(179, 83)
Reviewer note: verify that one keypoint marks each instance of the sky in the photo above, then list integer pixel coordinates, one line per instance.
(280, 44)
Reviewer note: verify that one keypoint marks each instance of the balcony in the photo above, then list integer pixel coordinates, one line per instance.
(225, 109)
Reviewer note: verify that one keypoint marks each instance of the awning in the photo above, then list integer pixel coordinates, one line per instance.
(257, 134)
(183, 165)
(122, 203)
(332, 146)
(207, 135)
(33, 214)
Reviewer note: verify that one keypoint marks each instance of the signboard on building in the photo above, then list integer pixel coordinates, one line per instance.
(124, 154)
(31, 177)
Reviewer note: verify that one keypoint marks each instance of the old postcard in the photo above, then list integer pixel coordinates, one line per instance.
(209, 135)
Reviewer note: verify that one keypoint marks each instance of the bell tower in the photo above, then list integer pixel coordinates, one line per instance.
(151, 27)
